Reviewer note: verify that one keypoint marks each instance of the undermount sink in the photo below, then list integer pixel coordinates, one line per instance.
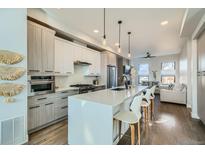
(118, 89)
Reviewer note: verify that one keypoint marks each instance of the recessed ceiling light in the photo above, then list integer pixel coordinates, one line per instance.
(163, 23)
(96, 31)
(117, 44)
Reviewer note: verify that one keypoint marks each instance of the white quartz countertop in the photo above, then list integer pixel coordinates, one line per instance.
(108, 96)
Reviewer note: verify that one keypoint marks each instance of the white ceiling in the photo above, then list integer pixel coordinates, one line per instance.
(147, 33)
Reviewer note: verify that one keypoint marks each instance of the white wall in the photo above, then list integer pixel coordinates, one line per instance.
(155, 65)
(13, 36)
(185, 63)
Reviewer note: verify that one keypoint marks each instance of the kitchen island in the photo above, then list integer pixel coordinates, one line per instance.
(90, 115)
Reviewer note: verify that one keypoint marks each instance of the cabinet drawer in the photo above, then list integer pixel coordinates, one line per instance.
(61, 109)
(67, 93)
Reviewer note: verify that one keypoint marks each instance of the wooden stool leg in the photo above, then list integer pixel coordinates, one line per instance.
(139, 132)
(151, 108)
(146, 113)
(120, 123)
(132, 134)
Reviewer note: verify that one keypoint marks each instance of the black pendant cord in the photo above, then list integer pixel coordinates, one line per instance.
(104, 36)
(129, 42)
(119, 22)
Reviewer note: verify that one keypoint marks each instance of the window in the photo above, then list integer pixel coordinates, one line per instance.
(168, 79)
(143, 69)
(168, 73)
(143, 72)
(168, 66)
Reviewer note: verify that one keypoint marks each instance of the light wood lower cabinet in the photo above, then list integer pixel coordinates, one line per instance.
(61, 108)
(34, 116)
(46, 109)
(48, 112)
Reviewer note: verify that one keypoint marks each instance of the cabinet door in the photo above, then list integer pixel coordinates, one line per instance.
(59, 57)
(34, 116)
(77, 53)
(48, 112)
(98, 63)
(68, 58)
(91, 59)
(34, 47)
(94, 69)
(48, 45)
(61, 109)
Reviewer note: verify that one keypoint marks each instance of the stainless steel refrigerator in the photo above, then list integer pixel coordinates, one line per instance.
(201, 77)
(111, 76)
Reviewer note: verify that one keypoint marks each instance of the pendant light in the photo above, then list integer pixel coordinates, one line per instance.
(104, 36)
(129, 53)
(119, 47)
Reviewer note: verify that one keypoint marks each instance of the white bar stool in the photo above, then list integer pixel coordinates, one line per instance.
(131, 117)
(146, 104)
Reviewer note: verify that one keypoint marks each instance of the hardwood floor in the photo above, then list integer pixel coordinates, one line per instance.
(56, 134)
(172, 124)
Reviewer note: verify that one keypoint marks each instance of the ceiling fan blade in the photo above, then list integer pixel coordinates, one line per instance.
(143, 57)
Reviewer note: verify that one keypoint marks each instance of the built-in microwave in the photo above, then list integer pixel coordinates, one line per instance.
(38, 85)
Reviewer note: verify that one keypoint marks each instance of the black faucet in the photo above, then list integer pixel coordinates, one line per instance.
(126, 81)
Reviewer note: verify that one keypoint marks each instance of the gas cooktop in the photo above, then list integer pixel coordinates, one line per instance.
(81, 85)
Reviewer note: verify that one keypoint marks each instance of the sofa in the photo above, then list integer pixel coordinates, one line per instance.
(177, 94)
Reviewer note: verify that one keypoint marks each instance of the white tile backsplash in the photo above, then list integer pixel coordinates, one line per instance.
(76, 78)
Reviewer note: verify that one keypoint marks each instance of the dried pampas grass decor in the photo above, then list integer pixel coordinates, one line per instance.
(10, 89)
(10, 57)
(11, 73)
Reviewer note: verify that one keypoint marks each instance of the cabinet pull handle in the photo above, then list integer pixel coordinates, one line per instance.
(49, 104)
(64, 98)
(64, 92)
(33, 107)
(48, 71)
(42, 98)
(57, 72)
(64, 107)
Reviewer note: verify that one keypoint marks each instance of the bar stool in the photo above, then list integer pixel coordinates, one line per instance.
(146, 103)
(152, 100)
(131, 117)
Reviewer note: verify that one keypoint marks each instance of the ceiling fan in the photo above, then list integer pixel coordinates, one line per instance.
(148, 55)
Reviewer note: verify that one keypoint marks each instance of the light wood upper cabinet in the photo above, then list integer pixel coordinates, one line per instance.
(40, 48)
(48, 46)
(64, 56)
(34, 47)
(59, 50)
(68, 58)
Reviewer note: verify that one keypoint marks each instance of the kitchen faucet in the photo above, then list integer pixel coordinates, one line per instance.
(126, 81)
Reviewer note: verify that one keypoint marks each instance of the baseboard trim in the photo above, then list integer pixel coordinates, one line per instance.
(194, 116)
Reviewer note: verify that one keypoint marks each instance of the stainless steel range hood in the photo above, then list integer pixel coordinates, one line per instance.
(78, 62)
